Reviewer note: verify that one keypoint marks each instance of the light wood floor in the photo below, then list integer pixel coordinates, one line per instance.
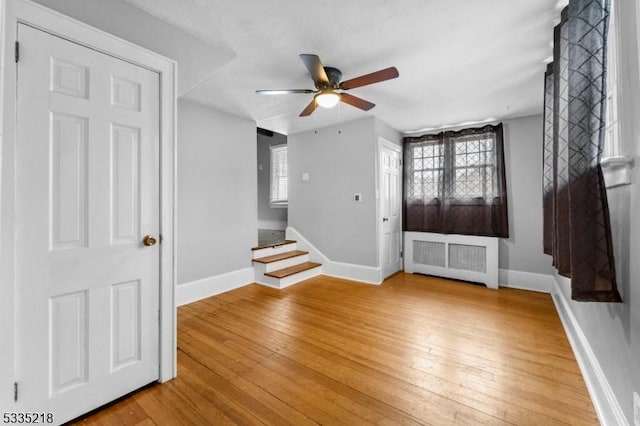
(415, 350)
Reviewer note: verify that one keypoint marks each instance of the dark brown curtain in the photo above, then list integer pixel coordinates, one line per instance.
(454, 183)
(577, 230)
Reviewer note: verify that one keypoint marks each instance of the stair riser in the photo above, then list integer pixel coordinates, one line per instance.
(270, 251)
(262, 268)
(290, 280)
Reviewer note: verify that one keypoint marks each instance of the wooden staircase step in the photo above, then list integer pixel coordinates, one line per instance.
(281, 256)
(285, 272)
(273, 245)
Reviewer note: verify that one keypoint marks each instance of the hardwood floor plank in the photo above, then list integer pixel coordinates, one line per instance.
(220, 363)
(414, 350)
(342, 396)
(342, 334)
(438, 376)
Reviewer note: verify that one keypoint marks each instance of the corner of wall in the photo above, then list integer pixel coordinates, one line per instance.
(525, 280)
(348, 271)
(201, 289)
(604, 400)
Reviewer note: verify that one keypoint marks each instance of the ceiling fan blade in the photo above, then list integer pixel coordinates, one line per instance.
(374, 77)
(282, 91)
(316, 69)
(309, 109)
(356, 101)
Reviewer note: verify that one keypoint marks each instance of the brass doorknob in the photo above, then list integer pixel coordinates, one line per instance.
(149, 240)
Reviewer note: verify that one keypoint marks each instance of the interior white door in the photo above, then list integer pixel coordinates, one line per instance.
(87, 191)
(390, 208)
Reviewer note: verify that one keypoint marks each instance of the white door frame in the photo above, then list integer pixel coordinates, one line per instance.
(35, 15)
(384, 143)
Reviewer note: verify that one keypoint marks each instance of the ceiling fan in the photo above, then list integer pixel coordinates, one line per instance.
(327, 82)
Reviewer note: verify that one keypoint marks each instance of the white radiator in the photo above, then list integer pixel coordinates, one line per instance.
(461, 257)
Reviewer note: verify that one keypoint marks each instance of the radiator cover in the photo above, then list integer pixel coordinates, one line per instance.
(462, 257)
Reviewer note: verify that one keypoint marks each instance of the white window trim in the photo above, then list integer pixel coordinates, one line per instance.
(616, 166)
(277, 204)
(617, 170)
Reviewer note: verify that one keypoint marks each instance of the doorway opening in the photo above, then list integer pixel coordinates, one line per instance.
(272, 186)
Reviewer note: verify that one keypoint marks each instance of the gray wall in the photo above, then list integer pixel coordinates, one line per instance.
(217, 185)
(265, 212)
(522, 251)
(613, 330)
(383, 130)
(197, 59)
(340, 161)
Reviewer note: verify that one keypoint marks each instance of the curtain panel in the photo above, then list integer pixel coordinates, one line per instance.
(454, 183)
(577, 231)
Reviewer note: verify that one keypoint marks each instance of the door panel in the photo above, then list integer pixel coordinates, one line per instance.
(69, 197)
(87, 173)
(125, 178)
(125, 326)
(390, 172)
(68, 341)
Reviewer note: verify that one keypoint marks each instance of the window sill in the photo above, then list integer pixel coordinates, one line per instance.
(279, 205)
(616, 171)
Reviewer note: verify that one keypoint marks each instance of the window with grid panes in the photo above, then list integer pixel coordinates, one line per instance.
(455, 183)
(427, 170)
(473, 168)
(468, 167)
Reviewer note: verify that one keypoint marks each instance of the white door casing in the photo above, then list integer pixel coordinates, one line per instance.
(87, 164)
(390, 175)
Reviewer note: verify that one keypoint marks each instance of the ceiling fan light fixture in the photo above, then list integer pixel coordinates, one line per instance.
(327, 99)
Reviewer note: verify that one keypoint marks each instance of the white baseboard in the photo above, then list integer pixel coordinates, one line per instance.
(200, 289)
(272, 225)
(349, 271)
(604, 400)
(525, 280)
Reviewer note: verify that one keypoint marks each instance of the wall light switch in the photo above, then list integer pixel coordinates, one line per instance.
(305, 177)
(357, 197)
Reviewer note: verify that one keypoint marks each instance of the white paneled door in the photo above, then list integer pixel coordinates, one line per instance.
(87, 194)
(390, 209)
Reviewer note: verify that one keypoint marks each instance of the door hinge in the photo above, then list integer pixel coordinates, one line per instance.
(17, 51)
(401, 253)
(15, 391)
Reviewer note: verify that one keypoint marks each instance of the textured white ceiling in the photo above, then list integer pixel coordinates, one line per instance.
(459, 61)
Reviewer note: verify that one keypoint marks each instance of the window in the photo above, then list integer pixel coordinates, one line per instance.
(455, 183)
(611, 140)
(616, 166)
(471, 172)
(473, 167)
(427, 170)
(279, 180)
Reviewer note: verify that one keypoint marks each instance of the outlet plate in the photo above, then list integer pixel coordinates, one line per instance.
(636, 409)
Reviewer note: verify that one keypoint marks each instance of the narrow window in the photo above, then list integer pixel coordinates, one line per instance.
(612, 146)
(279, 181)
